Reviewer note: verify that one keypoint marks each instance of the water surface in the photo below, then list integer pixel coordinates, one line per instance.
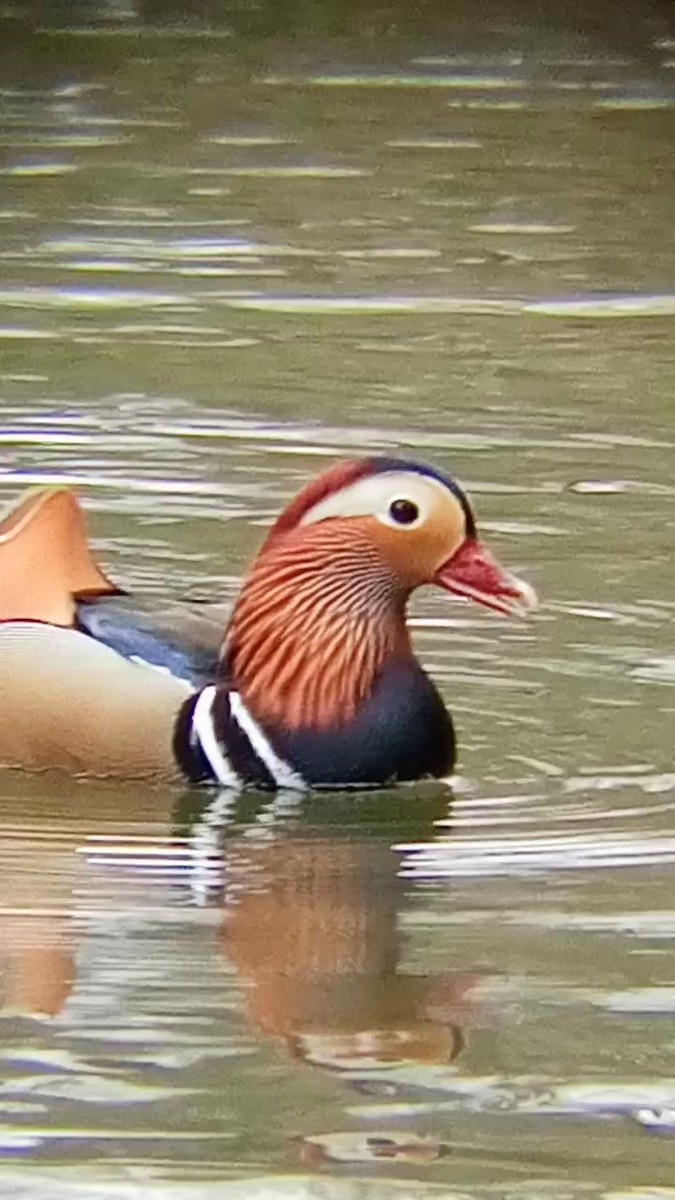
(227, 259)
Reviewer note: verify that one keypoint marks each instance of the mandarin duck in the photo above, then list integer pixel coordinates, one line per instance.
(315, 683)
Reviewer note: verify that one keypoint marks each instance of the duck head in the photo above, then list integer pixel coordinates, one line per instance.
(323, 608)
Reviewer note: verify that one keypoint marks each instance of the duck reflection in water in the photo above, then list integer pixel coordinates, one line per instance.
(311, 923)
(40, 872)
(37, 960)
(310, 920)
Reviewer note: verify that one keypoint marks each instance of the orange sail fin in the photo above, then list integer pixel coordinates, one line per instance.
(45, 559)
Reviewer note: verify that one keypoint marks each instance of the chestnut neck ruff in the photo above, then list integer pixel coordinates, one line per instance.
(318, 617)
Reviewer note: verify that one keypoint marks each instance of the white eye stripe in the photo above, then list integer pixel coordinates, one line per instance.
(374, 495)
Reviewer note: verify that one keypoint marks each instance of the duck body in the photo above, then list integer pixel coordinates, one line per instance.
(70, 703)
(314, 682)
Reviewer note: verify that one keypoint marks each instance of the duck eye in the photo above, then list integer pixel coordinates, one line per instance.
(403, 512)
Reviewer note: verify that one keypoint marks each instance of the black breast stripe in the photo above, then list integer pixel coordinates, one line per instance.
(234, 743)
(248, 765)
(188, 753)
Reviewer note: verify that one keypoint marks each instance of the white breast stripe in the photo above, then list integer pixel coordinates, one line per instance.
(202, 726)
(283, 774)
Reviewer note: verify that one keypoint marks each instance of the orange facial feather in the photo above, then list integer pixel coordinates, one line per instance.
(318, 617)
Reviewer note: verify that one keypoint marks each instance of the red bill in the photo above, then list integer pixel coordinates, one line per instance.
(475, 573)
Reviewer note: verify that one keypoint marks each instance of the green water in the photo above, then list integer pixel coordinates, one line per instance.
(227, 259)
